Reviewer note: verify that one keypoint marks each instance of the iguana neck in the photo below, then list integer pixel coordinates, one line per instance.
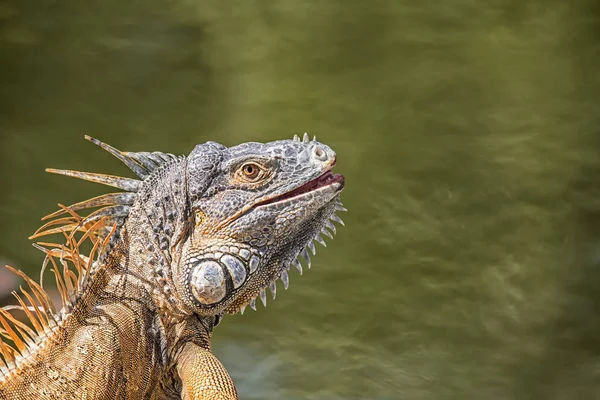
(144, 249)
(131, 274)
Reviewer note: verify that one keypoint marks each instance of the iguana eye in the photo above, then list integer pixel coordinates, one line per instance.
(251, 172)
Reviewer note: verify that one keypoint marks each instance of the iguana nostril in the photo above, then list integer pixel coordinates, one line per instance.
(319, 153)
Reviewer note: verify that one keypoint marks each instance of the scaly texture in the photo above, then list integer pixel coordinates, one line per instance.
(195, 237)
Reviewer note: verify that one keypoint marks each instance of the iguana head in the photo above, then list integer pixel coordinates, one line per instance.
(254, 209)
(216, 228)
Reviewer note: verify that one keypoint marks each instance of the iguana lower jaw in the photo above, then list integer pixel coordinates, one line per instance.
(276, 267)
(236, 273)
(239, 267)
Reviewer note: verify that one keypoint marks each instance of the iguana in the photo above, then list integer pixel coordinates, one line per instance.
(195, 237)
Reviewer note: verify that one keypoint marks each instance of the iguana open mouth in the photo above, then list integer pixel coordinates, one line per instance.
(326, 179)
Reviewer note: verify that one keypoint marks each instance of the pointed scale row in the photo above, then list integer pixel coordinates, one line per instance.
(305, 138)
(143, 164)
(284, 277)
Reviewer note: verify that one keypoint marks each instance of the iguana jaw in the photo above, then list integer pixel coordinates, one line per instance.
(323, 192)
(281, 264)
(336, 181)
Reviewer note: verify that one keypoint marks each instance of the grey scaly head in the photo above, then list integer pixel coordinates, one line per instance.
(216, 228)
(264, 205)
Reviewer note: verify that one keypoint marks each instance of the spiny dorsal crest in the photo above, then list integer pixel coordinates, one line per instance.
(36, 303)
(143, 164)
(98, 227)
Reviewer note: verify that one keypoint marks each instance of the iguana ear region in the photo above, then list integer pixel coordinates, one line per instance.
(207, 282)
(218, 272)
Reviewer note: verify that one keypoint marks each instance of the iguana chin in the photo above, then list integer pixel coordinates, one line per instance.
(196, 237)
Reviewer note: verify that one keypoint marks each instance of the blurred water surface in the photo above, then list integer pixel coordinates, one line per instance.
(468, 134)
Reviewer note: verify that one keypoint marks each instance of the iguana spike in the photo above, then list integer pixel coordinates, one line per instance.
(44, 263)
(263, 297)
(109, 212)
(130, 185)
(151, 161)
(75, 219)
(10, 332)
(69, 287)
(331, 226)
(296, 138)
(95, 249)
(285, 279)
(48, 244)
(25, 331)
(320, 240)
(128, 161)
(6, 358)
(298, 266)
(42, 317)
(39, 293)
(337, 219)
(166, 157)
(90, 232)
(311, 246)
(56, 252)
(305, 138)
(72, 279)
(146, 159)
(8, 354)
(60, 221)
(72, 252)
(58, 229)
(306, 257)
(79, 262)
(113, 229)
(60, 284)
(340, 207)
(325, 232)
(77, 226)
(109, 199)
(32, 318)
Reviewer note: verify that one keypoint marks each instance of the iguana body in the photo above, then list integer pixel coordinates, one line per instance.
(197, 237)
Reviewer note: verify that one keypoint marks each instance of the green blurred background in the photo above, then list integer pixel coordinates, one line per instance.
(468, 132)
